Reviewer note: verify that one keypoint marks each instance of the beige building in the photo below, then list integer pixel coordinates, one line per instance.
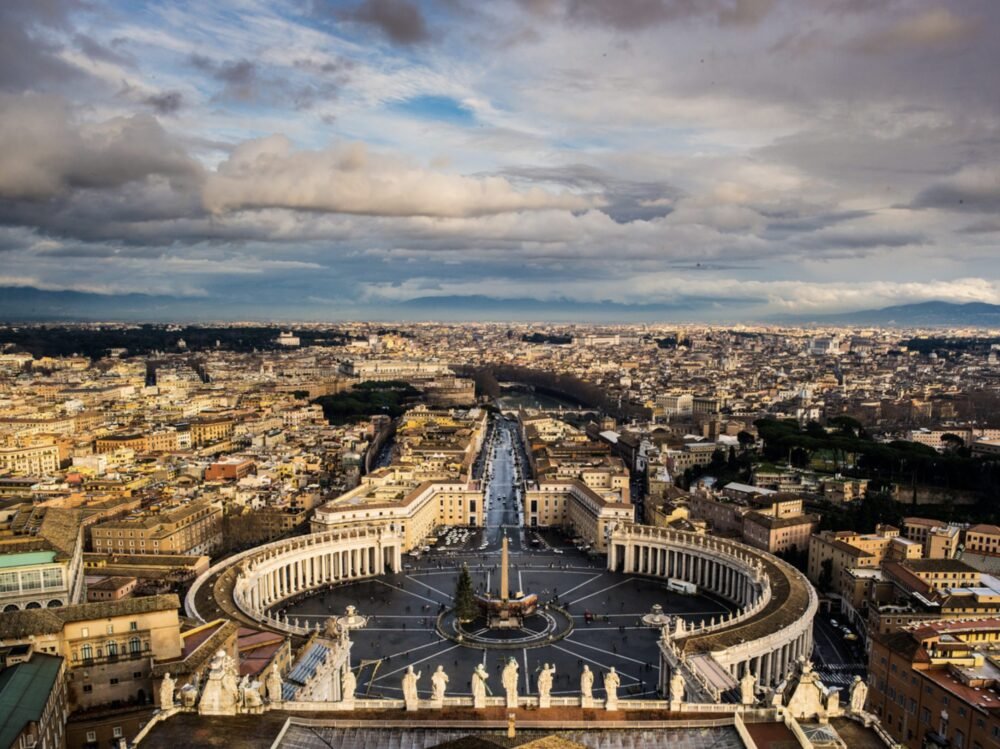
(193, 528)
(35, 460)
(779, 534)
(113, 442)
(211, 429)
(983, 539)
(109, 647)
(111, 588)
(939, 539)
(833, 554)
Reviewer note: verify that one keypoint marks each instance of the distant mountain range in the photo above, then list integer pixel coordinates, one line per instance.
(924, 314)
(25, 304)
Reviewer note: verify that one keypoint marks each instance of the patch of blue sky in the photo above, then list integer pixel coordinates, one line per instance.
(439, 108)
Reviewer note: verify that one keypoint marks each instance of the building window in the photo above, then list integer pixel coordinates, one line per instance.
(116, 732)
(112, 649)
(31, 580)
(88, 688)
(114, 681)
(8, 582)
(91, 736)
(133, 626)
(52, 578)
(134, 646)
(87, 652)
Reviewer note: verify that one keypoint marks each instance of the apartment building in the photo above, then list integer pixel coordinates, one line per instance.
(109, 647)
(935, 684)
(983, 539)
(940, 540)
(210, 429)
(193, 528)
(32, 460)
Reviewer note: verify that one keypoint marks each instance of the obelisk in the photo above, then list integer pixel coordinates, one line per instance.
(504, 582)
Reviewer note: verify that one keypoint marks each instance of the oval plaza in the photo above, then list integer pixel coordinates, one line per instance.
(673, 616)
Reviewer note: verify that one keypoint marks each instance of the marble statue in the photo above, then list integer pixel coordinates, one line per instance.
(439, 681)
(545, 679)
(677, 686)
(220, 696)
(509, 680)
(348, 683)
(859, 693)
(167, 692)
(241, 689)
(748, 688)
(611, 683)
(586, 687)
(252, 701)
(410, 679)
(479, 677)
(231, 675)
(273, 684)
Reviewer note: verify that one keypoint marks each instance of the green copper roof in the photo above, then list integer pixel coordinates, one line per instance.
(27, 557)
(24, 690)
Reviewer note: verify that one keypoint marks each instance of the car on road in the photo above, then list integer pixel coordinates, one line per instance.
(834, 623)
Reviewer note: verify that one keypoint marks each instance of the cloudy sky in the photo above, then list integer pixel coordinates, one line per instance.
(660, 159)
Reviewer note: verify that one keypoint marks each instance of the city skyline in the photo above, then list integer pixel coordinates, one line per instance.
(388, 159)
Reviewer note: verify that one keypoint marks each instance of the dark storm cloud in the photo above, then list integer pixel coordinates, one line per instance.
(239, 78)
(166, 102)
(28, 60)
(244, 81)
(45, 153)
(635, 15)
(97, 51)
(974, 189)
(797, 222)
(400, 20)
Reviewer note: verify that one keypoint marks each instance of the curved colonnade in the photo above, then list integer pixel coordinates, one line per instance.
(269, 574)
(770, 630)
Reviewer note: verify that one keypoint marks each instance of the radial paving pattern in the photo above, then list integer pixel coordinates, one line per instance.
(605, 607)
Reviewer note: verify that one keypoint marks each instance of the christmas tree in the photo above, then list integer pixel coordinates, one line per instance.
(466, 608)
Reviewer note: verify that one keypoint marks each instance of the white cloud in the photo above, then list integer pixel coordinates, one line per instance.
(268, 173)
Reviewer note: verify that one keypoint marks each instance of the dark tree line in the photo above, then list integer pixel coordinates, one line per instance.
(143, 340)
(566, 386)
(905, 464)
(391, 398)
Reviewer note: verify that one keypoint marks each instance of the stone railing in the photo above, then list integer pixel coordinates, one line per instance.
(244, 569)
(744, 559)
(732, 645)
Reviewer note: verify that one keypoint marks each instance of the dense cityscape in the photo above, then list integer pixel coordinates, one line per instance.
(735, 518)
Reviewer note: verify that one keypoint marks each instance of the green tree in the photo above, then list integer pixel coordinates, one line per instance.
(466, 608)
(745, 439)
